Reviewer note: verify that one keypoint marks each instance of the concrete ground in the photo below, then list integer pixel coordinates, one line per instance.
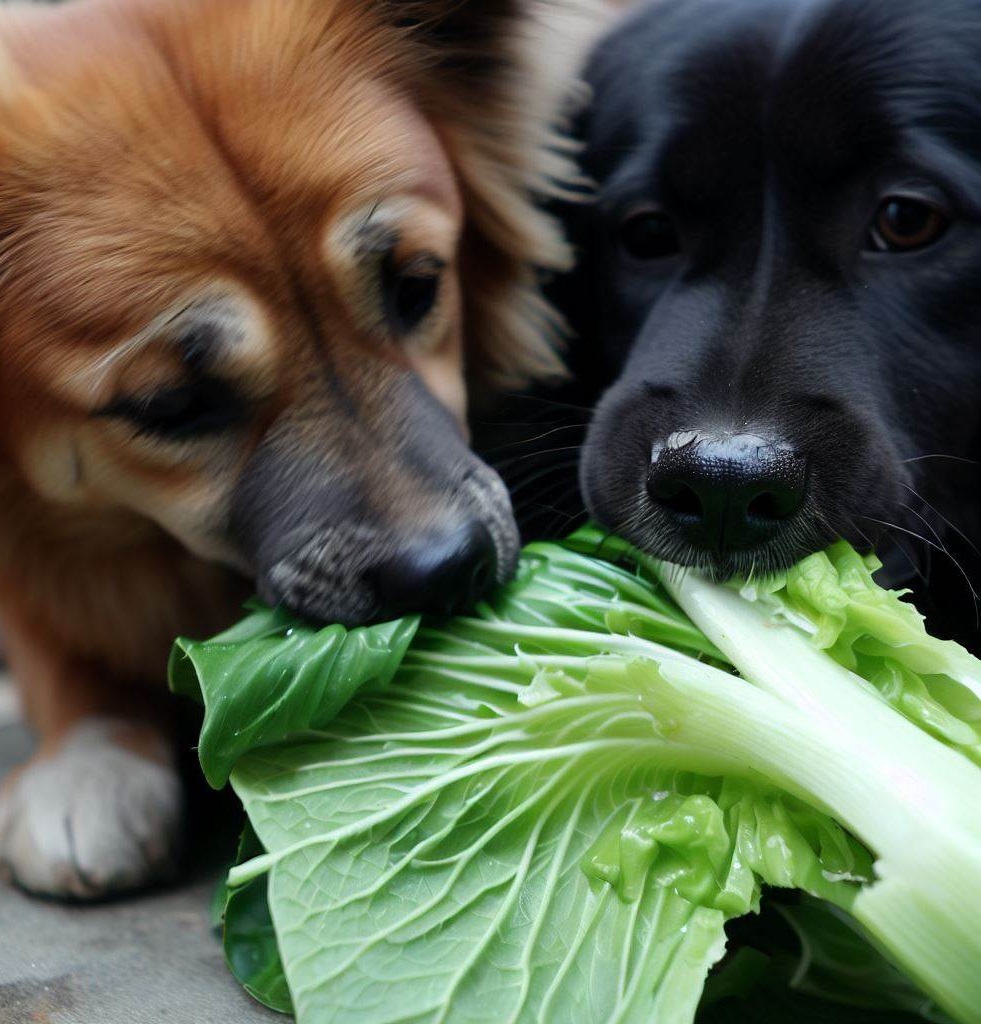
(149, 960)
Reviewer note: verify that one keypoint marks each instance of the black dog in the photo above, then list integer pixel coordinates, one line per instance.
(780, 280)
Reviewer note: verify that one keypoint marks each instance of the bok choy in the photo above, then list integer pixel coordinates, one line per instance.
(549, 810)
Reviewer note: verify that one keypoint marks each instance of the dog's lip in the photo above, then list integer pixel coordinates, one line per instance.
(760, 560)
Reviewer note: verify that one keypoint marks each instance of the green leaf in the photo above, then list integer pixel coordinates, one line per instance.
(515, 846)
(820, 969)
(838, 964)
(270, 677)
(251, 947)
(558, 587)
(774, 1003)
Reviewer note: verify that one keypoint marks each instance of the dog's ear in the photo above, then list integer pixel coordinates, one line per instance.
(497, 103)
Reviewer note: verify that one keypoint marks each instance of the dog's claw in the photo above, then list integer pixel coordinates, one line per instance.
(94, 820)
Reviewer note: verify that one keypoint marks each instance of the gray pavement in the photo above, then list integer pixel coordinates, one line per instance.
(150, 959)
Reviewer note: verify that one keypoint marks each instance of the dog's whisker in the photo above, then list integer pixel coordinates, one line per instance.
(551, 488)
(913, 564)
(927, 524)
(532, 455)
(523, 483)
(550, 498)
(852, 525)
(531, 440)
(890, 527)
(550, 403)
(942, 549)
(946, 522)
(903, 529)
(562, 519)
(952, 458)
(956, 563)
(940, 541)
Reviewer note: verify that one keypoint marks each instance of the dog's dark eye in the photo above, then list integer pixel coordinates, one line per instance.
(903, 224)
(648, 235)
(410, 291)
(200, 408)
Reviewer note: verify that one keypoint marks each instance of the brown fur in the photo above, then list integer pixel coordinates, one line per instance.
(160, 155)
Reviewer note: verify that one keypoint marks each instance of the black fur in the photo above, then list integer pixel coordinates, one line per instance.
(769, 131)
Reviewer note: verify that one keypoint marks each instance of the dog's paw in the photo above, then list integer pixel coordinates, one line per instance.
(93, 820)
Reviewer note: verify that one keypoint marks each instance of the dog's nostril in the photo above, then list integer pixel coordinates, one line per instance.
(676, 496)
(775, 504)
(437, 572)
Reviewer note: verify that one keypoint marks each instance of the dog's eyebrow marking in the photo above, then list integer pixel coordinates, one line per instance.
(207, 312)
(375, 239)
(374, 236)
(101, 367)
(375, 232)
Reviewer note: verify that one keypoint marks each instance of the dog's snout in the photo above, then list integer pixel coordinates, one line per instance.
(727, 493)
(440, 574)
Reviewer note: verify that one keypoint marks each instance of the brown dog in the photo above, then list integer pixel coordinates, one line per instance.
(252, 254)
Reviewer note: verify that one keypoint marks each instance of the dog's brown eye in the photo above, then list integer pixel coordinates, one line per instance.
(648, 235)
(410, 291)
(903, 224)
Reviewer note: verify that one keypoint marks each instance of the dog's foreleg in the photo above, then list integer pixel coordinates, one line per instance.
(98, 809)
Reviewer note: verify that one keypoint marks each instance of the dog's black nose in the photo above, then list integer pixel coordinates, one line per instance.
(439, 573)
(727, 493)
